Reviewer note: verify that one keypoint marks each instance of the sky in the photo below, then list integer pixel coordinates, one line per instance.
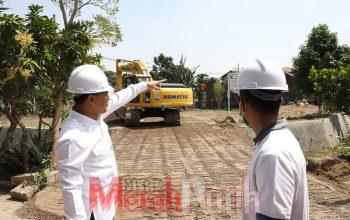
(215, 35)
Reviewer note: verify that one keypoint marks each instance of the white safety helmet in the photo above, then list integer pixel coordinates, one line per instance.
(263, 74)
(87, 79)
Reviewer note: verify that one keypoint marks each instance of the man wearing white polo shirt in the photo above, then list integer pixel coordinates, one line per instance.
(276, 183)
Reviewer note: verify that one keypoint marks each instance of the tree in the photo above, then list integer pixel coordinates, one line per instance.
(321, 50)
(218, 92)
(345, 55)
(186, 74)
(1, 6)
(17, 76)
(107, 30)
(111, 76)
(201, 78)
(44, 31)
(80, 36)
(164, 68)
(334, 87)
(28, 50)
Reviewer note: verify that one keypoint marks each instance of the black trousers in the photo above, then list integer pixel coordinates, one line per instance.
(92, 217)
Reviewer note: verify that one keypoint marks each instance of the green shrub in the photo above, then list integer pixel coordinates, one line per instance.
(334, 88)
(11, 158)
(344, 148)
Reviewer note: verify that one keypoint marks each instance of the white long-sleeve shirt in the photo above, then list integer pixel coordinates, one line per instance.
(84, 149)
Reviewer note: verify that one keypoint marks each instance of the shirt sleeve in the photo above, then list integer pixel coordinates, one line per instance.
(124, 96)
(275, 186)
(70, 159)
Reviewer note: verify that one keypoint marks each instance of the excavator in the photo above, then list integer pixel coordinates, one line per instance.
(165, 103)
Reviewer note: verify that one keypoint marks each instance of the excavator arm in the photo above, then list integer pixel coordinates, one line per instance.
(131, 66)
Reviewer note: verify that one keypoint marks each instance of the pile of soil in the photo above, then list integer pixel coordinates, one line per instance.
(334, 170)
(30, 211)
(228, 121)
(293, 112)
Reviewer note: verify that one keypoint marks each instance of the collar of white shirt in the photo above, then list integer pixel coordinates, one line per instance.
(84, 120)
(276, 125)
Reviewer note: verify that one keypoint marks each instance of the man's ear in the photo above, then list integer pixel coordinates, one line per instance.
(243, 105)
(92, 99)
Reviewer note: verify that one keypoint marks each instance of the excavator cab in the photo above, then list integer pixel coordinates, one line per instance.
(129, 79)
(165, 103)
(133, 79)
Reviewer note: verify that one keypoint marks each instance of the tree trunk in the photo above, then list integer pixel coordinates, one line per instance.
(8, 138)
(24, 145)
(9, 135)
(58, 105)
(39, 126)
(56, 121)
(319, 102)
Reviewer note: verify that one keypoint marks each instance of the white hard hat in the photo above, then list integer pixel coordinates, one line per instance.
(263, 74)
(87, 79)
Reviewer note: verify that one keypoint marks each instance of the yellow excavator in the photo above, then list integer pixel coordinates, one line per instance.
(165, 103)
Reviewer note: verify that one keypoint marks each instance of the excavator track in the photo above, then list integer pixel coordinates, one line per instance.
(172, 117)
(132, 117)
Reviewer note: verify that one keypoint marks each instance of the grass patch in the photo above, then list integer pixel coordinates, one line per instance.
(341, 150)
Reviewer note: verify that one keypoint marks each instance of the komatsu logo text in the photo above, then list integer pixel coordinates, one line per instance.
(181, 96)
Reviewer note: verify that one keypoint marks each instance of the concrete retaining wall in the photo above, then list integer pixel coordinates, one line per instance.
(318, 133)
(18, 133)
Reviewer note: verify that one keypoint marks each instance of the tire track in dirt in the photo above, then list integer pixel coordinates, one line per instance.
(197, 203)
(327, 202)
(234, 173)
(124, 136)
(212, 160)
(196, 162)
(130, 157)
(201, 150)
(212, 163)
(144, 161)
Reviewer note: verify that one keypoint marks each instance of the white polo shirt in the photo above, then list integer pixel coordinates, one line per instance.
(276, 184)
(84, 149)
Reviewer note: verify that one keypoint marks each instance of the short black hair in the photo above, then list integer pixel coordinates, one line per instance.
(263, 106)
(80, 98)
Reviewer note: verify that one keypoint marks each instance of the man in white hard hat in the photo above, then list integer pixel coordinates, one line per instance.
(84, 149)
(276, 183)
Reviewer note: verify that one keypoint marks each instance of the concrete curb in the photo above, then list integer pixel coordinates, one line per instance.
(318, 133)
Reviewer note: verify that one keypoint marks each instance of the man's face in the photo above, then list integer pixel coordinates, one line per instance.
(99, 101)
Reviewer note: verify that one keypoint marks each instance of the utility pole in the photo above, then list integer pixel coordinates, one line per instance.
(228, 91)
(231, 75)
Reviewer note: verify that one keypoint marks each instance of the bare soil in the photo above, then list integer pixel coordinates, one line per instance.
(295, 112)
(213, 151)
(334, 170)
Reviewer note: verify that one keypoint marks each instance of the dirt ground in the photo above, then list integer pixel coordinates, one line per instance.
(295, 112)
(198, 151)
(332, 169)
(205, 160)
(286, 111)
(218, 155)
